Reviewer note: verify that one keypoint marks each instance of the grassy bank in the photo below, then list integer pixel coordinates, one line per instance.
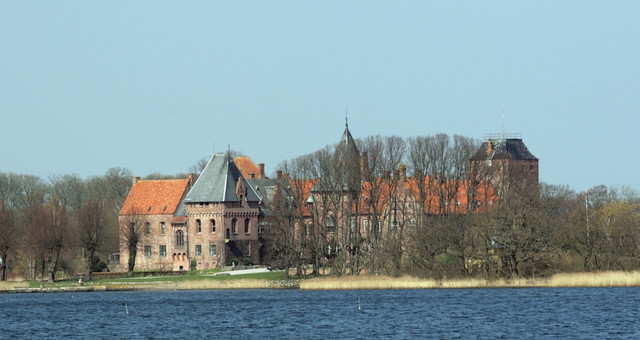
(599, 279)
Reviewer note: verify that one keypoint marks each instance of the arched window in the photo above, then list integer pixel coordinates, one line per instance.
(179, 238)
(233, 226)
(247, 222)
(331, 224)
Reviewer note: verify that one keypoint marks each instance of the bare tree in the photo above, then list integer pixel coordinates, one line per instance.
(69, 189)
(130, 236)
(92, 229)
(56, 234)
(9, 234)
(199, 166)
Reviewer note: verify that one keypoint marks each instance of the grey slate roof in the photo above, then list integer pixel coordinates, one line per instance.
(266, 189)
(511, 148)
(217, 183)
(347, 145)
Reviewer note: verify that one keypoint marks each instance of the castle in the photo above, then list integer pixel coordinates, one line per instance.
(221, 218)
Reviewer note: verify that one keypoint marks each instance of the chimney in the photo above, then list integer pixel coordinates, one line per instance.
(278, 174)
(364, 166)
(403, 172)
(261, 166)
(134, 180)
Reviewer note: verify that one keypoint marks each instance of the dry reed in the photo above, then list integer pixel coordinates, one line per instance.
(220, 284)
(599, 279)
(11, 285)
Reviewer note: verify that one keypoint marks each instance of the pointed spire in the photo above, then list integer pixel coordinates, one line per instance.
(346, 118)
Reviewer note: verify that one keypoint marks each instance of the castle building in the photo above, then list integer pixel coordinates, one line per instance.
(506, 163)
(220, 219)
(214, 220)
(222, 215)
(157, 207)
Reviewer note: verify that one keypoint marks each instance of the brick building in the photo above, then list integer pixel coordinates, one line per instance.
(157, 207)
(506, 163)
(214, 220)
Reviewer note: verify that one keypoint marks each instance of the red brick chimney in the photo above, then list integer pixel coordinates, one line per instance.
(261, 175)
(279, 174)
(403, 172)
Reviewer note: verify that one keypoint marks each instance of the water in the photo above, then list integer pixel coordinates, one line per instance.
(536, 313)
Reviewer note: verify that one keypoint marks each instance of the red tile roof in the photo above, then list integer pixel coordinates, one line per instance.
(379, 194)
(155, 197)
(246, 166)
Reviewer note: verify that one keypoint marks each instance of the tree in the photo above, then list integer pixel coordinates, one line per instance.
(46, 234)
(199, 166)
(92, 228)
(130, 236)
(55, 235)
(523, 232)
(69, 189)
(9, 234)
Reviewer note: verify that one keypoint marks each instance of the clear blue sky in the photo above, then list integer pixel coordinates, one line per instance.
(153, 86)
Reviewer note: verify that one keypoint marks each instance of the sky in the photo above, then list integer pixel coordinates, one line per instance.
(154, 86)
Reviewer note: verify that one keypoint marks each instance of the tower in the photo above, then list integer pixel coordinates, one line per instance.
(505, 162)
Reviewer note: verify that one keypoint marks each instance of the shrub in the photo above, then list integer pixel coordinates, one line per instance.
(247, 261)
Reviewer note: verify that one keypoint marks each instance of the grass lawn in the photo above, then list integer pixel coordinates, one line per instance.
(208, 276)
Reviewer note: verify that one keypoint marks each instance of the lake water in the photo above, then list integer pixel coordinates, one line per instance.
(535, 313)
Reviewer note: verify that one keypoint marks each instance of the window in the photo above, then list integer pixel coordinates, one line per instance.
(147, 251)
(163, 250)
(233, 226)
(163, 228)
(213, 226)
(198, 226)
(147, 228)
(132, 226)
(198, 250)
(179, 238)
(212, 250)
(247, 222)
(331, 225)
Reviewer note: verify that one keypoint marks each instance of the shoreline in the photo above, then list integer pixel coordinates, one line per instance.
(361, 282)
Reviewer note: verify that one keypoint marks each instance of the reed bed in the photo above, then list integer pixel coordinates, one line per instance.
(599, 279)
(11, 285)
(221, 284)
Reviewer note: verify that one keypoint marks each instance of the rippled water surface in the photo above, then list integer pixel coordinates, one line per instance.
(292, 314)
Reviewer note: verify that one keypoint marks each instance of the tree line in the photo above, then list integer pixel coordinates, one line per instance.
(66, 224)
(383, 228)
